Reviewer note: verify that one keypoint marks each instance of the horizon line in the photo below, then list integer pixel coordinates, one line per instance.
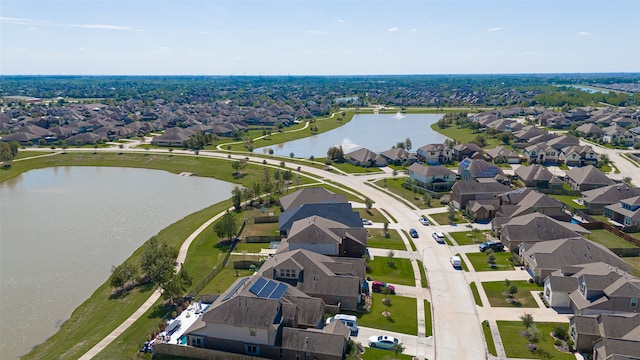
(326, 75)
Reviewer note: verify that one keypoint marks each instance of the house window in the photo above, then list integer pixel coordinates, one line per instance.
(252, 331)
(634, 302)
(573, 332)
(196, 341)
(287, 273)
(581, 286)
(251, 349)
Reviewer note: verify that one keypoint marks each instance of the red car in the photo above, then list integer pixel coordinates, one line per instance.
(378, 286)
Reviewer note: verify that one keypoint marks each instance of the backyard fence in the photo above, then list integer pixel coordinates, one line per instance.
(265, 219)
(262, 239)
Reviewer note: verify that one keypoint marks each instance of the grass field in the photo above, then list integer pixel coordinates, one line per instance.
(372, 214)
(401, 273)
(443, 218)
(488, 336)
(479, 261)
(568, 200)
(635, 264)
(403, 315)
(379, 354)
(423, 275)
(523, 298)
(377, 240)
(608, 239)
(514, 343)
(468, 237)
(394, 185)
(428, 321)
(465, 135)
(354, 169)
(476, 294)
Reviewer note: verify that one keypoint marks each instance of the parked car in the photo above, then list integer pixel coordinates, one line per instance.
(438, 236)
(424, 221)
(413, 232)
(378, 286)
(366, 222)
(493, 245)
(384, 342)
(350, 321)
(456, 261)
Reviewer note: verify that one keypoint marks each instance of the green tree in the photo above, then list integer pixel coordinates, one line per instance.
(397, 349)
(236, 197)
(122, 274)
(226, 226)
(176, 286)
(368, 203)
(156, 260)
(491, 258)
(407, 144)
(527, 320)
(452, 213)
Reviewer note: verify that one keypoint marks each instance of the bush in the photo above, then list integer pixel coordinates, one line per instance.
(557, 343)
(560, 332)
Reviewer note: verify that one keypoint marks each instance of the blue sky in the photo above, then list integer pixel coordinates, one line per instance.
(312, 37)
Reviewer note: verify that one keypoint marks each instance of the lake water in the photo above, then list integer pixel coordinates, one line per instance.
(586, 89)
(62, 228)
(376, 132)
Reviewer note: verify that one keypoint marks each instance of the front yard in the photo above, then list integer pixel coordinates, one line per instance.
(443, 218)
(468, 237)
(403, 315)
(377, 240)
(479, 261)
(495, 291)
(515, 344)
(400, 273)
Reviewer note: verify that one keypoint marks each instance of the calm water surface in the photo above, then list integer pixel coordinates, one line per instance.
(374, 132)
(62, 228)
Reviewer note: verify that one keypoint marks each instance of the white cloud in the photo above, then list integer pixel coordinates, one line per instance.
(340, 21)
(584, 33)
(393, 29)
(35, 22)
(23, 21)
(101, 27)
(316, 32)
(164, 48)
(497, 28)
(413, 30)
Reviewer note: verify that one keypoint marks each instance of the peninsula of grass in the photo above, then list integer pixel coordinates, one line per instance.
(372, 214)
(423, 275)
(465, 135)
(495, 291)
(377, 240)
(479, 261)
(355, 169)
(103, 312)
(608, 239)
(443, 218)
(488, 337)
(394, 185)
(428, 321)
(468, 237)
(403, 315)
(515, 344)
(379, 354)
(400, 273)
(476, 294)
(464, 266)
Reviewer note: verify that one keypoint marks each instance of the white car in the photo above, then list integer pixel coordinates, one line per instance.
(383, 342)
(455, 261)
(366, 222)
(424, 221)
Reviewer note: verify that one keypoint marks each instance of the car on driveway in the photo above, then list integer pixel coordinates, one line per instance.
(366, 222)
(413, 232)
(378, 286)
(383, 342)
(424, 221)
(493, 245)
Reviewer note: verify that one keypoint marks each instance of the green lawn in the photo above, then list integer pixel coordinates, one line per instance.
(354, 169)
(379, 354)
(608, 239)
(488, 336)
(443, 218)
(423, 275)
(27, 154)
(476, 294)
(523, 298)
(635, 264)
(464, 263)
(428, 321)
(479, 261)
(403, 315)
(372, 214)
(568, 200)
(394, 185)
(221, 282)
(377, 240)
(401, 274)
(514, 343)
(468, 237)
(465, 135)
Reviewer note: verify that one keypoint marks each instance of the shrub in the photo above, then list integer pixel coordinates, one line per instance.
(560, 332)
(557, 343)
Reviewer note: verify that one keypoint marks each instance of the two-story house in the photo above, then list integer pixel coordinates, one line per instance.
(578, 155)
(595, 200)
(627, 212)
(434, 178)
(617, 134)
(471, 169)
(434, 154)
(586, 178)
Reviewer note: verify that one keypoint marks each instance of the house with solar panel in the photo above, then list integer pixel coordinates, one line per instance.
(269, 319)
(471, 169)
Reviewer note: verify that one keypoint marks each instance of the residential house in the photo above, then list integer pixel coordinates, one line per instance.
(586, 178)
(471, 169)
(614, 349)
(541, 259)
(337, 281)
(626, 213)
(609, 294)
(467, 190)
(172, 137)
(315, 195)
(398, 156)
(536, 175)
(541, 153)
(434, 154)
(595, 200)
(365, 157)
(434, 178)
(578, 155)
(616, 134)
(524, 134)
(340, 212)
(482, 211)
(327, 237)
(530, 202)
(533, 228)
(590, 131)
(586, 330)
(462, 151)
(268, 319)
(502, 154)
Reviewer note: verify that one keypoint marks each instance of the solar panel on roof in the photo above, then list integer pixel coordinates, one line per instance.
(258, 285)
(267, 289)
(235, 289)
(278, 292)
